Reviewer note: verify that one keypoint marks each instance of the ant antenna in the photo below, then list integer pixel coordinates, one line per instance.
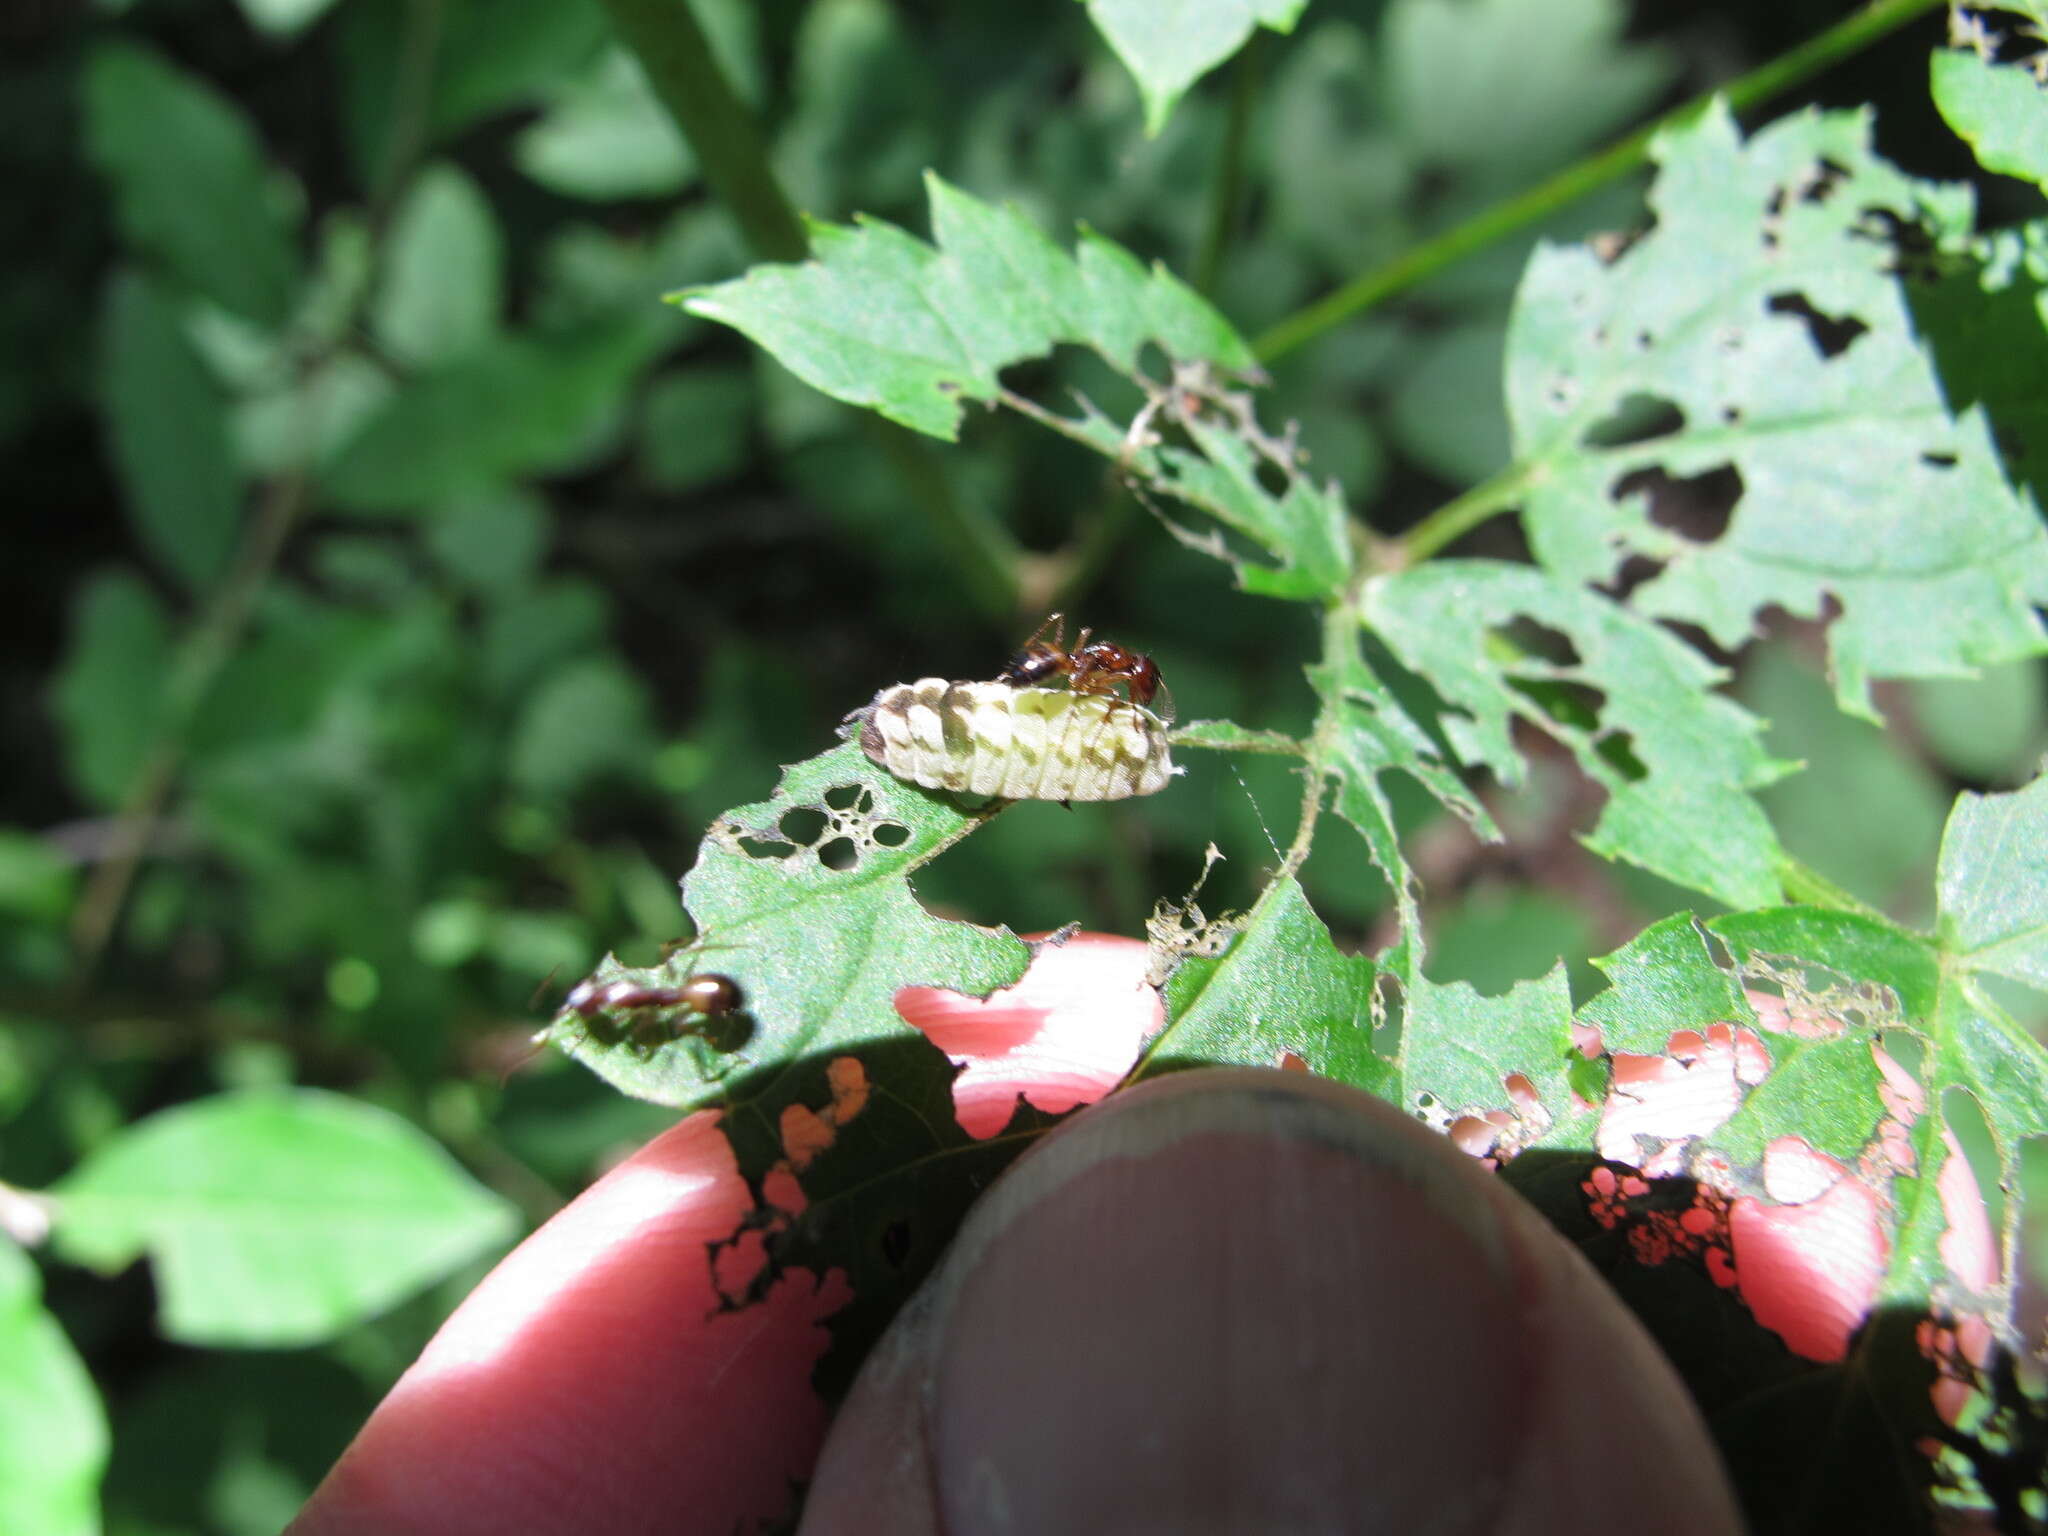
(547, 985)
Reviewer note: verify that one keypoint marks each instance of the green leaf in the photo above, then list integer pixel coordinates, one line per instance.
(1664, 980)
(1981, 313)
(1304, 525)
(606, 136)
(190, 183)
(1371, 733)
(805, 901)
(882, 320)
(36, 882)
(1280, 988)
(284, 18)
(276, 1219)
(1630, 700)
(53, 1432)
(1759, 331)
(1350, 208)
(1462, 1052)
(442, 282)
(491, 55)
(1998, 109)
(168, 429)
(512, 406)
(695, 427)
(110, 695)
(1994, 883)
(589, 719)
(493, 540)
(1169, 46)
(1509, 88)
(1847, 986)
(1987, 728)
(168, 426)
(846, 144)
(306, 421)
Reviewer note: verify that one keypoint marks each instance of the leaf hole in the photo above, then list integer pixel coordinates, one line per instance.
(1562, 393)
(1731, 415)
(891, 834)
(1820, 183)
(1617, 750)
(1638, 418)
(1572, 704)
(802, 826)
(840, 853)
(1695, 507)
(1964, 1116)
(1645, 340)
(844, 797)
(1717, 949)
(765, 847)
(1831, 335)
(1527, 637)
(1939, 460)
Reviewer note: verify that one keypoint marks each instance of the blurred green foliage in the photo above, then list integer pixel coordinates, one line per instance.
(398, 588)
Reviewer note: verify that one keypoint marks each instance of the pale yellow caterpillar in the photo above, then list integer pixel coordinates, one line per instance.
(1016, 743)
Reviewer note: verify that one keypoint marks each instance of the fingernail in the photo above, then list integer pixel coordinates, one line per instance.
(1241, 1308)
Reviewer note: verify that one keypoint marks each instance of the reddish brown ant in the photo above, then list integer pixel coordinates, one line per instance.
(645, 1018)
(1095, 666)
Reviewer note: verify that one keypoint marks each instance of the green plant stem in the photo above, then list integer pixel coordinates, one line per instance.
(412, 95)
(1340, 645)
(1849, 36)
(1227, 197)
(209, 647)
(1460, 516)
(721, 128)
(730, 146)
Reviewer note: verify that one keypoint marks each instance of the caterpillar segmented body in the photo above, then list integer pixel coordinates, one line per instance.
(1016, 743)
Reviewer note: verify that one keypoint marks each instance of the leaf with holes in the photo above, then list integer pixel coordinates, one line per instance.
(1280, 991)
(1278, 988)
(1752, 358)
(1812, 1101)
(804, 901)
(1373, 732)
(1502, 643)
(882, 320)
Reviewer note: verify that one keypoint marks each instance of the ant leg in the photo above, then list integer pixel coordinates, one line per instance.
(1059, 639)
